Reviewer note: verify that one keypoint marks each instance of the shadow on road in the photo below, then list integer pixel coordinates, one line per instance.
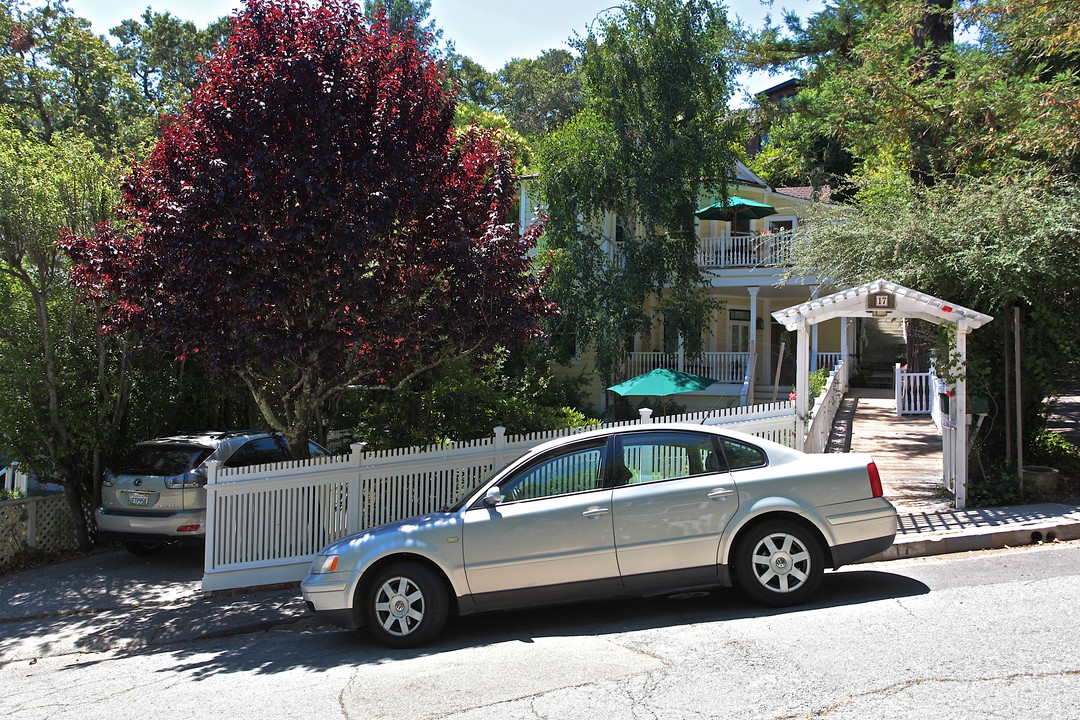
(121, 604)
(318, 648)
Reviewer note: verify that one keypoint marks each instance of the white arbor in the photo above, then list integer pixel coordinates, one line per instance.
(878, 299)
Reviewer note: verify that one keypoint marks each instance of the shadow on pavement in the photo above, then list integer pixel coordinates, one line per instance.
(117, 603)
(304, 644)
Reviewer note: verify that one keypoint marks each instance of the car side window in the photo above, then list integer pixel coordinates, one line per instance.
(741, 456)
(259, 452)
(664, 455)
(578, 469)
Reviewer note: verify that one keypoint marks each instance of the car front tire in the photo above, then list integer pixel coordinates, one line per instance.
(779, 563)
(406, 605)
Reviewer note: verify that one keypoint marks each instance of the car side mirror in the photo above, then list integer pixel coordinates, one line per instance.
(493, 496)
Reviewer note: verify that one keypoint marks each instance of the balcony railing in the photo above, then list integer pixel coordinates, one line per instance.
(724, 367)
(745, 250)
(739, 250)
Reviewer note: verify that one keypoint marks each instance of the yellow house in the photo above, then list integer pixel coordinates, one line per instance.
(744, 261)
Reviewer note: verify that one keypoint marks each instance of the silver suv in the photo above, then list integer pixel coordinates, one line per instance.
(157, 496)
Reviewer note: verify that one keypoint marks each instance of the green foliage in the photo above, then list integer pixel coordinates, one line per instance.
(1048, 448)
(56, 76)
(539, 95)
(464, 400)
(887, 85)
(467, 114)
(818, 380)
(162, 54)
(999, 486)
(475, 85)
(654, 133)
(64, 386)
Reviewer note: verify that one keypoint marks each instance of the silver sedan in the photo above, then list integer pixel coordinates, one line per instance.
(622, 511)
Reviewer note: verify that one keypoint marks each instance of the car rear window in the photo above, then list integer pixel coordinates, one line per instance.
(165, 460)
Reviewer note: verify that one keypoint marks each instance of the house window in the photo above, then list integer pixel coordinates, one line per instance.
(738, 330)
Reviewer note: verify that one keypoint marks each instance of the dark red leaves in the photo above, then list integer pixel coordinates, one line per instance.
(313, 206)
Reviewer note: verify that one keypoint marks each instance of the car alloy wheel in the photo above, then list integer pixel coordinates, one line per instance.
(399, 606)
(779, 563)
(407, 605)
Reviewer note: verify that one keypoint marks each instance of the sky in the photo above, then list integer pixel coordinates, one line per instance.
(491, 32)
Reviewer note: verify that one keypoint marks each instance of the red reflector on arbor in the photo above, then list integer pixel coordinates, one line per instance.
(188, 528)
(875, 480)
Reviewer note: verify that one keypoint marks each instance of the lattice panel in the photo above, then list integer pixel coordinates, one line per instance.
(48, 517)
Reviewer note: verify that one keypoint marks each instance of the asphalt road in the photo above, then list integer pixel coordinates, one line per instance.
(977, 635)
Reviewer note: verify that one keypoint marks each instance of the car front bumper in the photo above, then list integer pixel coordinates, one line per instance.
(329, 596)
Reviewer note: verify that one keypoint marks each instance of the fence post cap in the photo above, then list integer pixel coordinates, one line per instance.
(646, 415)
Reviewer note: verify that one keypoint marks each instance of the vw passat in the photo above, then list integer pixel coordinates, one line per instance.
(642, 511)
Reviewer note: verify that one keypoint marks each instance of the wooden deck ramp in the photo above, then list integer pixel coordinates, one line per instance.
(907, 449)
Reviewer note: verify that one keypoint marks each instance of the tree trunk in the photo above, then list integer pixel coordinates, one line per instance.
(73, 493)
(931, 36)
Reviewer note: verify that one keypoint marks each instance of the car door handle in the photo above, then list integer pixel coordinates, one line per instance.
(595, 512)
(720, 493)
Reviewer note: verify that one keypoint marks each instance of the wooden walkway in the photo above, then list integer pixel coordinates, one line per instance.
(907, 449)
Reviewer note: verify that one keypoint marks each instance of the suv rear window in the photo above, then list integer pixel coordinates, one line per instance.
(164, 460)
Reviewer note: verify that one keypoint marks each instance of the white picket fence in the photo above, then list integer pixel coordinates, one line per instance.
(824, 412)
(265, 524)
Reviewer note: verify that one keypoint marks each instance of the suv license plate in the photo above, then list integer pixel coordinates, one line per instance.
(139, 498)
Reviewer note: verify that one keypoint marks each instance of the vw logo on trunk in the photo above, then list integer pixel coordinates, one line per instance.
(138, 482)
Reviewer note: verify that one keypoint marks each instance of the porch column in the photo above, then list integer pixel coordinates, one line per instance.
(845, 374)
(802, 383)
(766, 341)
(813, 348)
(960, 414)
(753, 345)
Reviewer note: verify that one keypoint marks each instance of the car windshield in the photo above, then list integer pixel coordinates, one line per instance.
(165, 460)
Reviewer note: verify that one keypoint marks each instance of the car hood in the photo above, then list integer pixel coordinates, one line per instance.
(420, 534)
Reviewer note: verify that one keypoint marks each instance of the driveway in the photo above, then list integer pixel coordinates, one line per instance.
(114, 601)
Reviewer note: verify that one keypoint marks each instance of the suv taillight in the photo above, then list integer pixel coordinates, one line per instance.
(190, 479)
(875, 480)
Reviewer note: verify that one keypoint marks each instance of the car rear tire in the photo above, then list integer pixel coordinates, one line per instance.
(143, 549)
(779, 563)
(406, 605)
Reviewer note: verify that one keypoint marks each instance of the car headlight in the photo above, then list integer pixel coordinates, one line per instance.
(324, 564)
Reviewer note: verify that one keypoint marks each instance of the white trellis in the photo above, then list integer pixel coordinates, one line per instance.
(881, 298)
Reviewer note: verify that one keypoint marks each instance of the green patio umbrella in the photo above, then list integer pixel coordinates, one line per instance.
(735, 206)
(662, 382)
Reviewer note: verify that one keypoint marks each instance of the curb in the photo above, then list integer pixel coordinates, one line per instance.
(990, 539)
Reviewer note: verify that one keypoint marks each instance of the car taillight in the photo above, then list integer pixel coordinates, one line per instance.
(108, 479)
(875, 480)
(190, 479)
